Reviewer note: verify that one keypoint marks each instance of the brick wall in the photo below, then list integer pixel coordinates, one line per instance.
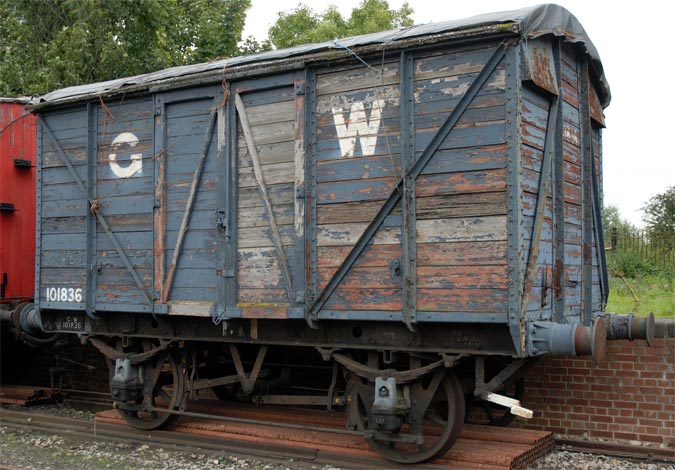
(628, 398)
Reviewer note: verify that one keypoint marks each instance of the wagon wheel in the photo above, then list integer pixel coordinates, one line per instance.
(168, 392)
(432, 426)
(485, 412)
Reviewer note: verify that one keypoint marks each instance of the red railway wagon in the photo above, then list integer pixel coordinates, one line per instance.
(17, 203)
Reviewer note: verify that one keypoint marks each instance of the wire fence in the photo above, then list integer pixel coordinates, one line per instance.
(630, 250)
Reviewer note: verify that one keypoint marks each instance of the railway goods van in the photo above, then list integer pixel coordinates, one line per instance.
(397, 224)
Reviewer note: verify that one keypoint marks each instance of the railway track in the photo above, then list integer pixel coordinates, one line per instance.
(302, 435)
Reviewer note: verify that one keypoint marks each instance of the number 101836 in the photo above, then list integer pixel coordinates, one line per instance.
(64, 294)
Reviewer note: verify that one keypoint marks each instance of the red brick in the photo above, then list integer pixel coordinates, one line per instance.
(651, 438)
(604, 419)
(651, 422)
(625, 404)
(624, 435)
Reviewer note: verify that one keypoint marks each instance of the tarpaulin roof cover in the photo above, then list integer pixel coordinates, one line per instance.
(533, 22)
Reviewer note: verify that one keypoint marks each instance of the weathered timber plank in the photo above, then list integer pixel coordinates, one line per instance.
(257, 216)
(63, 259)
(348, 234)
(462, 300)
(269, 312)
(465, 182)
(279, 194)
(373, 255)
(136, 257)
(462, 277)
(489, 133)
(262, 278)
(454, 87)
(262, 296)
(461, 205)
(327, 104)
(67, 208)
(467, 159)
(468, 253)
(77, 152)
(572, 193)
(355, 190)
(366, 277)
(270, 113)
(570, 93)
(342, 81)
(532, 135)
(275, 173)
(443, 107)
(365, 299)
(273, 133)
(469, 117)
(63, 277)
(259, 237)
(63, 241)
(278, 152)
(362, 211)
(60, 175)
(490, 228)
(462, 60)
(358, 168)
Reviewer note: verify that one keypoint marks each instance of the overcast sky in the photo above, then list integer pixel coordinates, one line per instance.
(633, 44)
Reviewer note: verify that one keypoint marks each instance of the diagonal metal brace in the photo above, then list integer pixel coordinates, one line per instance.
(412, 174)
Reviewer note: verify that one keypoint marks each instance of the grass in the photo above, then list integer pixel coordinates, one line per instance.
(645, 294)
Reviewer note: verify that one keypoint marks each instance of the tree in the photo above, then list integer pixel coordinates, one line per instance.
(611, 218)
(303, 25)
(49, 44)
(659, 216)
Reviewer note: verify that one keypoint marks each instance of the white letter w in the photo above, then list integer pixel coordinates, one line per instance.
(358, 126)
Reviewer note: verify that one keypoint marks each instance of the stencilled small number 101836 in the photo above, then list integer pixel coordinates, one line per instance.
(64, 294)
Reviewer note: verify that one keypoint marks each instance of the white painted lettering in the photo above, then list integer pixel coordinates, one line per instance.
(358, 126)
(135, 168)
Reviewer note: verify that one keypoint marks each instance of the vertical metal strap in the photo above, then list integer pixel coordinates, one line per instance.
(99, 216)
(311, 249)
(262, 187)
(225, 257)
(408, 231)
(92, 268)
(558, 214)
(189, 205)
(415, 170)
(160, 203)
(586, 190)
(514, 196)
(299, 212)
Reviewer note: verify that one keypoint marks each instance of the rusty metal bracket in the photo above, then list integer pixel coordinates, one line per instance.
(511, 372)
(371, 373)
(247, 380)
(135, 358)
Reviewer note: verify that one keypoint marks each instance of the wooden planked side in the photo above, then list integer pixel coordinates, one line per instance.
(187, 121)
(271, 116)
(125, 164)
